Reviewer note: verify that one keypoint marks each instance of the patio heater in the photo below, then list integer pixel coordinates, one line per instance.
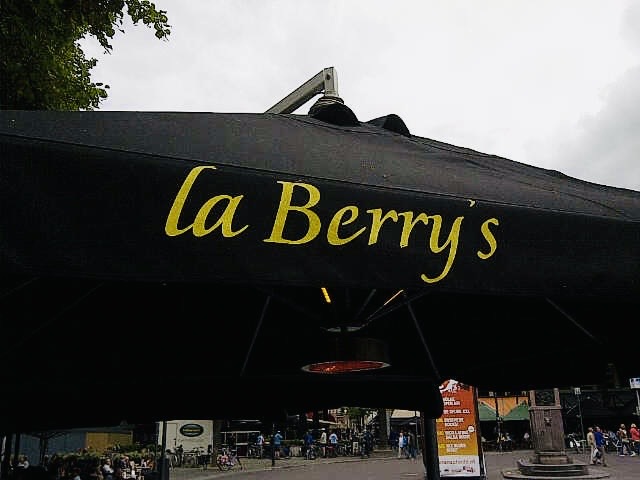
(346, 354)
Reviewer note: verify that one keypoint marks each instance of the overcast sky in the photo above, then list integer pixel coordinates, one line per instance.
(551, 83)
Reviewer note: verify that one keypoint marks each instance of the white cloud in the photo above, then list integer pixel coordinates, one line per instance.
(539, 81)
(604, 147)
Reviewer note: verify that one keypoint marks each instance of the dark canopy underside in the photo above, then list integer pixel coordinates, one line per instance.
(180, 256)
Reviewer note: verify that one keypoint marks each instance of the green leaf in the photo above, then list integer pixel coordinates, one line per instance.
(42, 65)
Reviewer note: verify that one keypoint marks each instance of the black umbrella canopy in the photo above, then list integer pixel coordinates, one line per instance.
(182, 257)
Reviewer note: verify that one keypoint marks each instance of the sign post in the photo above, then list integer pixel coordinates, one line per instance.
(459, 449)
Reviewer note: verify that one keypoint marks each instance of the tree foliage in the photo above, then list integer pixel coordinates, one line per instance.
(42, 65)
(358, 414)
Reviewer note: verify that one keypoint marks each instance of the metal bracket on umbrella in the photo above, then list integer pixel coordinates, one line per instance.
(324, 81)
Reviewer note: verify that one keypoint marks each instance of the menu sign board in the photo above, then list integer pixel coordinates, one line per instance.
(457, 430)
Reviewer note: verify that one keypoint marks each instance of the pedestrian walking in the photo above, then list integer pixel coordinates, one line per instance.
(634, 434)
(412, 446)
(591, 442)
(600, 445)
(260, 444)
(624, 440)
(277, 443)
(323, 443)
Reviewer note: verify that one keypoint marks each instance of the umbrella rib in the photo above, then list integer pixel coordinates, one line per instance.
(422, 340)
(24, 284)
(381, 308)
(291, 304)
(364, 305)
(51, 320)
(255, 334)
(16, 289)
(382, 311)
(572, 320)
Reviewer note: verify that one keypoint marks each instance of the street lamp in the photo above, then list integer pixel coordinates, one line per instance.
(415, 415)
(634, 384)
(498, 422)
(577, 393)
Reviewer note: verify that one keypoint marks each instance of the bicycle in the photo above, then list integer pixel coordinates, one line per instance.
(331, 451)
(312, 452)
(228, 459)
(255, 451)
(580, 445)
(341, 450)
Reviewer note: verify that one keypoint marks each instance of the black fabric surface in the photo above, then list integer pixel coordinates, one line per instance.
(98, 280)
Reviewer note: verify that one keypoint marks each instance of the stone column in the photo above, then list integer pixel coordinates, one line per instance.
(550, 458)
(547, 431)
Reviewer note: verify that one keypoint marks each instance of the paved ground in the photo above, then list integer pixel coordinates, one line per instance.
(384, 465)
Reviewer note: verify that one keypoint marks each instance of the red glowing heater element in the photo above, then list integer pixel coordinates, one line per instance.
(344, 366)
(346, 354)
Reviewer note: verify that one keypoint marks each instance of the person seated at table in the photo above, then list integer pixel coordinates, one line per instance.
(507, 441)
(148, 464)
(132, 468)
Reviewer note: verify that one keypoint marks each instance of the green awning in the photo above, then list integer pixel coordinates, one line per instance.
(521, 412)
(486, 413)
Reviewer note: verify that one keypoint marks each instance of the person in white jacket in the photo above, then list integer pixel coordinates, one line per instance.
(323, 442)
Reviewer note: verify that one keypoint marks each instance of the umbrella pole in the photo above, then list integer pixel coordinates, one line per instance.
(6, 460)
(164, 461)
(430, 451)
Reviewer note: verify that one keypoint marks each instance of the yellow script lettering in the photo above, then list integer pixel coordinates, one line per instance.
(199, 229)
(489, 237)
(171, 227)
(378, 220)
(452, 243)
(225, 220)
(408, 225)
(336, 221)
(285, 207)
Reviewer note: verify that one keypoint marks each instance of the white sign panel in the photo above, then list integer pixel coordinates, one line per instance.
(634, 382)
(193, 435)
